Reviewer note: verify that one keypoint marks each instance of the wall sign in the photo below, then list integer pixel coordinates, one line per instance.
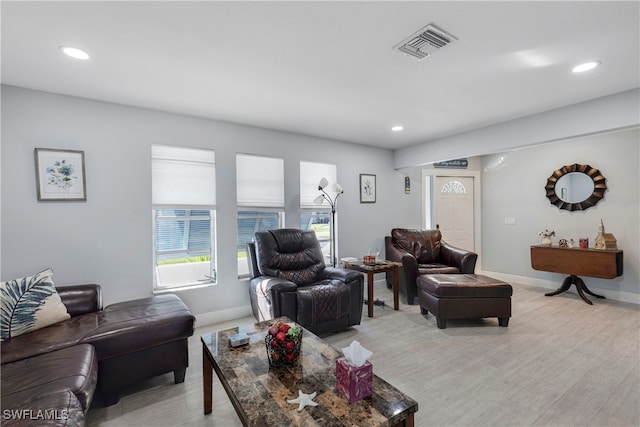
(452, 164)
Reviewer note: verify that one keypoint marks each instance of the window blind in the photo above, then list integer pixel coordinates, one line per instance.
(259, 181)
(310, 175)
(183, 176)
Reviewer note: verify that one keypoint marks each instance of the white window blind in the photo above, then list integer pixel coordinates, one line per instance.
(259, 181)
(310, 175)
(183, 176)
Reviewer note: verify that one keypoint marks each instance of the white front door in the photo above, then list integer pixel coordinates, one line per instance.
(453, 210)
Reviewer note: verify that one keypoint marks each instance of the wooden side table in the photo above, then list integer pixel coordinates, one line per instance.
(370, 270)
(603, 264)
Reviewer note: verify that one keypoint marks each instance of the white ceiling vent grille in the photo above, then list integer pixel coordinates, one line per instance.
(426, 41)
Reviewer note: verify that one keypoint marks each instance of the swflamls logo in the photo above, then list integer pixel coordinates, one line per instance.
(35, 415)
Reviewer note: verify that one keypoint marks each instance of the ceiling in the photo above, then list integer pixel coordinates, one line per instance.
(327, 69)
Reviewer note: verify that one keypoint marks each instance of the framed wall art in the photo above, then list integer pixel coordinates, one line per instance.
(60, 175)
(367, 188)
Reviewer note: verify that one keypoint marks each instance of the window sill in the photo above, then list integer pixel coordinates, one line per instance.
(182, 288)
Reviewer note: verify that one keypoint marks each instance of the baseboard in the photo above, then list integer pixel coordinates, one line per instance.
(212, 317)
(550, 284)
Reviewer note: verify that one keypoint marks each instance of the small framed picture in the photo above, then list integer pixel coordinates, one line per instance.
(367, 188)
(60, 175)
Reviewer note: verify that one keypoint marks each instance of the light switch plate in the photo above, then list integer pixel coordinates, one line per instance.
(509, 220)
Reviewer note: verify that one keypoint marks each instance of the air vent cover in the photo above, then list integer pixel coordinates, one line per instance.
(426, 41)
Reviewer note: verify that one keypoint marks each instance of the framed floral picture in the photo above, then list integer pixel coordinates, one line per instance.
(60, 175)
(367, 188)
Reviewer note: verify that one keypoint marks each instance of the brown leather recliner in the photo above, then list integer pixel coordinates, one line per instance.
(424, 252)
(289, 278)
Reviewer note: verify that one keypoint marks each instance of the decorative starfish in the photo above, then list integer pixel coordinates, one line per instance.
(304, 400)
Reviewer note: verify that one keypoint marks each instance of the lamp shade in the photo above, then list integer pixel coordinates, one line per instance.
(337, 188)
(318, 200)
(323, 183)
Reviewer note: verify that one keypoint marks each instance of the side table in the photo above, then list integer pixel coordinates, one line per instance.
(377, 267)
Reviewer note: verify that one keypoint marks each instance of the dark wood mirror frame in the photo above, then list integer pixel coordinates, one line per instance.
(599, 187)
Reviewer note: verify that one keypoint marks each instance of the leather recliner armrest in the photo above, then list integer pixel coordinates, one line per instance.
(268, 284)
(355, 282)
(81, 299)
(267, 293)
(393, 252)
(342, 274)
(463, 259)
(410, 267)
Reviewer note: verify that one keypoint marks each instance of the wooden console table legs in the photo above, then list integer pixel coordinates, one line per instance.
(580, 286)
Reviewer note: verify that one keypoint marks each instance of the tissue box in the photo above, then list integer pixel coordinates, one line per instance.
(354, 382)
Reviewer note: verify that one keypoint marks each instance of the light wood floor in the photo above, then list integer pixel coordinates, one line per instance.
(560, 362)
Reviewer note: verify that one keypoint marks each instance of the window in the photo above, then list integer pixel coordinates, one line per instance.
(310, 175)
(319, 221)
(313, 216)
(184, 198)
(260, 198)
(453, 187)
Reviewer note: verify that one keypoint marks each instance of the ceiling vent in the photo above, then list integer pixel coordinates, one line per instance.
(425, 42)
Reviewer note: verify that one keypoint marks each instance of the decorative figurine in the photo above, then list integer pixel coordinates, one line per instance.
(605, 240)
(304, 399)
(563, 243)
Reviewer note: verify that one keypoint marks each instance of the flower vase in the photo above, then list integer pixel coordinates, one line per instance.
(546, 241)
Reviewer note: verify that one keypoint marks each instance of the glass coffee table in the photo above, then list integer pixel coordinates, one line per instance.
(259, 393)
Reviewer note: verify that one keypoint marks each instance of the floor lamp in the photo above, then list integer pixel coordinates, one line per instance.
(336, 188)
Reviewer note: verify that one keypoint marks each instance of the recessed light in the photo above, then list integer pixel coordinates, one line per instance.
(74, 52)
(585, 67)
(397, 128)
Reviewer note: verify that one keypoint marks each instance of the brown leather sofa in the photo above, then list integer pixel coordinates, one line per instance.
(424, 252)
(58, 368)
(289, 278)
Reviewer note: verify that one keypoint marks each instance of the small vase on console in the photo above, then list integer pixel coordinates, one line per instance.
(545, 237)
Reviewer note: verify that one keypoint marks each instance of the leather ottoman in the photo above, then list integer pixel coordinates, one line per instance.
(464, 296)
(140, 339)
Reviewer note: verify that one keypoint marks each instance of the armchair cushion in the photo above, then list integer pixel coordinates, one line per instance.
(323, 302)
(424, 245)
(289, 254)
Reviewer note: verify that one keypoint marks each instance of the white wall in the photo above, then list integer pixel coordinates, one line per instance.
(617, 111)
(108, 240)
(513, 186)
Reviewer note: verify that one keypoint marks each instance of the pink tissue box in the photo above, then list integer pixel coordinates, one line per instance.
(354, 382)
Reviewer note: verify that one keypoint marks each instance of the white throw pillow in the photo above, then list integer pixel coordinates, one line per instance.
(29, 303)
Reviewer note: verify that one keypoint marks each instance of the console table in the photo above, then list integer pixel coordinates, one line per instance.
(603, 264)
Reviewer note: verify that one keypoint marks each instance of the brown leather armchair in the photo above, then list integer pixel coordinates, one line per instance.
(288, 277)
(424, 252)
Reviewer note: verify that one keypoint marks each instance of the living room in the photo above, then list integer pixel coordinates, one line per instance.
(107, 239)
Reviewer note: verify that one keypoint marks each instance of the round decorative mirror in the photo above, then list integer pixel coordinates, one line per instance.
(575, 187)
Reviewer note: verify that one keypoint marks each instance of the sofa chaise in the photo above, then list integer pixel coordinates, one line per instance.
(53, 372)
